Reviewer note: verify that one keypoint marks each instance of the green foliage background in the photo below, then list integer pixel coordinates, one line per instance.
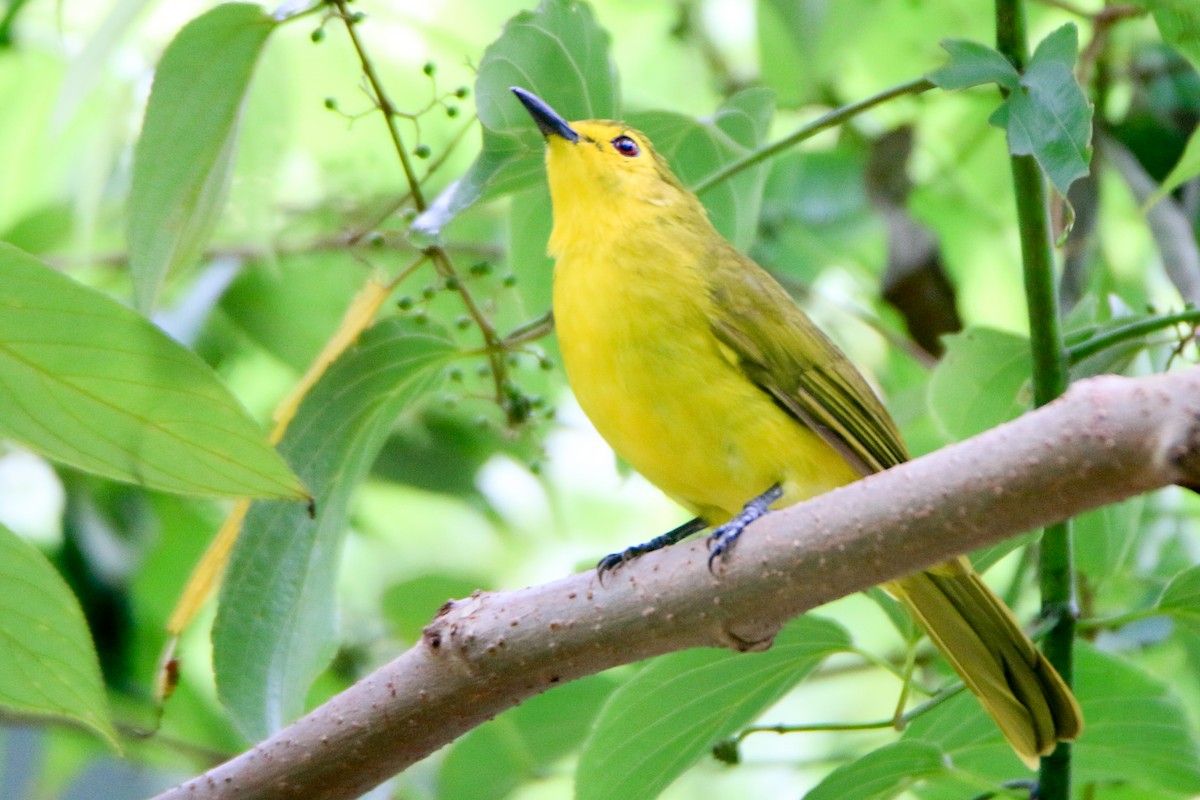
(225, 170)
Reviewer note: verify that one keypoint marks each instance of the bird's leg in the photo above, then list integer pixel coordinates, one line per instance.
(720, 542)
(611, 562)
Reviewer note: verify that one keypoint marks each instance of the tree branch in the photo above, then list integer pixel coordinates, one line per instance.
(1107, 439)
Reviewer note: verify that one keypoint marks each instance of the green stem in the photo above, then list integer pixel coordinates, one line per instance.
(833, 118)
(1134, 330)
(1049, 381)
(897, 722)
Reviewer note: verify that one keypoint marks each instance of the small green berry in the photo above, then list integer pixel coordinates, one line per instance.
(376, 239)
(428, 292)
(357, 17)
(409, 214)
(461, 92)
(510, 280)
(451, 283)
(455, 375)
(429, 68)
(545, 363)
(483, 370)
(481, 268)
(451, 111)
(317, 36)
(420, 317)
(405, 303)
(462, 323)
(331, 103)
(421, 151)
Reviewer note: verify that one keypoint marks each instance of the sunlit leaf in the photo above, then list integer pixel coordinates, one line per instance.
(275, 624)
(90, 383)
(559, 53)
(673, 711)
(184, 157)
(48, 666)
(980, 381)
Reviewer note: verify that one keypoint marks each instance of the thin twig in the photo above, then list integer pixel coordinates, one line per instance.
(833, 118)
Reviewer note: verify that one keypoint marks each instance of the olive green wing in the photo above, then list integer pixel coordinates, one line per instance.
(779, 348)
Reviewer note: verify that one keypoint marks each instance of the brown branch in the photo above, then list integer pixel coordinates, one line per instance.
(1107, 439)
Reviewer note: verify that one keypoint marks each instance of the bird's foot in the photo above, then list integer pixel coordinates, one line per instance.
(613, 560)
(720, 541)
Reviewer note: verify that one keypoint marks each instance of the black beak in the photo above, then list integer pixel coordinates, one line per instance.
(547, 119)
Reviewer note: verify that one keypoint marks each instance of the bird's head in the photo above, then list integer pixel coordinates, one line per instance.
(601, 169)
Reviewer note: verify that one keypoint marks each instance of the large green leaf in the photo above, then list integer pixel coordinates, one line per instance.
(90, 383)
(48, 666)
(522, 743)
(673, 711)
(1135, 732)
(882, 773)
(698, 149)
(559, 53)
(184, 158)
(980, 381)
(274, 630)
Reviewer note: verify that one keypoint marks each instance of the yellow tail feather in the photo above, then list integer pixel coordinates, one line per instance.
(983, 642)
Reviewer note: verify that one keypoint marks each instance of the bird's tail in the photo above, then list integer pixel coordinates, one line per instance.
(983, 642)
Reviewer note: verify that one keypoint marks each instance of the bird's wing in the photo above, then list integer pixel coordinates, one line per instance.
(781, 351)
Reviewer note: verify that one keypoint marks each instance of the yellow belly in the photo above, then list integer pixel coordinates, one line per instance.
(657, 385)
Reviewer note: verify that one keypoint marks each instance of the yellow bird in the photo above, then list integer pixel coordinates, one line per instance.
(701, 372)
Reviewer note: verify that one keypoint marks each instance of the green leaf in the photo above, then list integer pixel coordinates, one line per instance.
(1106, 538)
(522, 743)
(971, 64)
(1048, 115)
(410, 605)
(92, 384)
(697, 149)
(48, 665)
(1135, 731)
(673, 711)
(1186, 168)
(559, 53)
(882, 773)
(980, 382)
(1179, 23)
(1182, 595)
(184, 157)
(274, 630)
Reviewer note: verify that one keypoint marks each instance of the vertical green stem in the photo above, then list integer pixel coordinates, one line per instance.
(1049, 381)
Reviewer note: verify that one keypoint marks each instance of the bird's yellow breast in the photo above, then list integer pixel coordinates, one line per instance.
(633, 319)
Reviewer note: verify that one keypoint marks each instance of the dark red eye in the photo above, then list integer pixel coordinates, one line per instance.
(626, 146)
